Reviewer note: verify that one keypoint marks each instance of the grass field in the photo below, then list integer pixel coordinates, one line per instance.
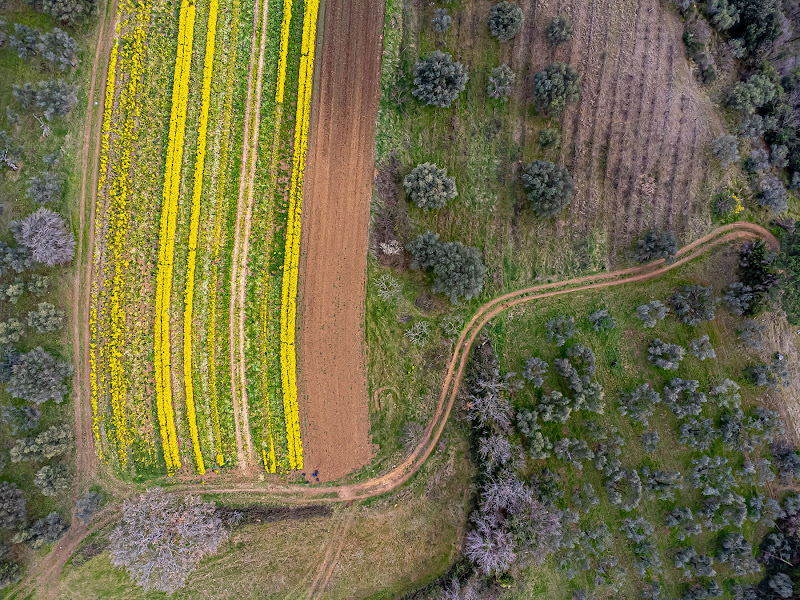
(392, 545)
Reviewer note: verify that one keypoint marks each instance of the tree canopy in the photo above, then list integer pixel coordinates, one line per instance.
(438, 79)
(550, 187)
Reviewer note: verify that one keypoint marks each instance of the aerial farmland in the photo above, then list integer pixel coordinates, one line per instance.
(447, 300)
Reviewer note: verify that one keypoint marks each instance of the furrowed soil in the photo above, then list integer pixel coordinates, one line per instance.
(635, 142)
(338, 187)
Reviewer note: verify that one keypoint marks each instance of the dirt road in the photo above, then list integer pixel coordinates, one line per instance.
(332, 378)
(403, 472)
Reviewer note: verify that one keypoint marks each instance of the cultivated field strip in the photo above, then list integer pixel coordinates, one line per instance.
(635, 141)
(191, 185)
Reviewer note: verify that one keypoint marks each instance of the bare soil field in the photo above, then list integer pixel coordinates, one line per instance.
(635, 143)
(332, 379)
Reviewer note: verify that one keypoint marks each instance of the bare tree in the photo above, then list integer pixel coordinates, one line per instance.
(47, 236)
(419, 333)
(388, 288)
(163, 537)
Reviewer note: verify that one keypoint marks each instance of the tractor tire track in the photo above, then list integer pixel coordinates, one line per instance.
(332, 565)
(240, 417)
(248, 222)
(632, 123)
(328, 564)
(616, 141)
(651, 85)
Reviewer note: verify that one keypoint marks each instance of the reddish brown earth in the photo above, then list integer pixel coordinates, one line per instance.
(332, 381)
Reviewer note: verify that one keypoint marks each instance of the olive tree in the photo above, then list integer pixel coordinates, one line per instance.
(760, 22)
(438, 79)
(772, 194)
(724, 14)
(458, 269)
(55, 98)
(441, 20)
(559, 30)
(58, 47)
(500, 82)
(560, 329)
(459, 272)
(664, 355)
(556, 87)
(21, 418)
(69, 12)
(550, 187)
(656, 244)
(45, 187)
(549, 137)
(701, 347)
(12, 506)
(88, 505)
(748, 96)
(46, 318)
(693, 304)
(726, 149)
(24, 40)
(651, 313)
(505, 20)
(38, 376)
(11, 332)
(10, 573)
(162, 538)
(52, 480)
(428, 186)
(51, 443)
(46, 530)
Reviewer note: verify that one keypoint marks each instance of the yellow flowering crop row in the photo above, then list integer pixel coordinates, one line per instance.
(270, 459)
(117, 221)
(287, 19)
(191, 264)
(108, 106)
(166, 250)
(292, 255)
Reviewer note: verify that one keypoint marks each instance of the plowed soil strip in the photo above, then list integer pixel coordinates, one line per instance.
(332, 382)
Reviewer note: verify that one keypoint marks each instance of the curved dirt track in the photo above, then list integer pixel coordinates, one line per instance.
(332, 380)
(450, 388)
(452, 382)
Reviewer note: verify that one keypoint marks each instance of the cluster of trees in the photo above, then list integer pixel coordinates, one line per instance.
(514, 524)
(764, 98)
(38, 241)
(458, 269)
